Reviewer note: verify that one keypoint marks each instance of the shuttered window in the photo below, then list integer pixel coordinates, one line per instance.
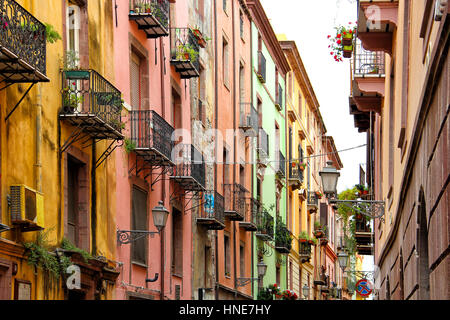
(136, 81)
(139, 222)
(177, 243)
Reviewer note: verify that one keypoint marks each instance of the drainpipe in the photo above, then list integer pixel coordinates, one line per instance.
(253, 155)
(38, 163)
(93, 201)
(216, 101)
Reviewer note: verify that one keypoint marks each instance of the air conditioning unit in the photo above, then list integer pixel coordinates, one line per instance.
(26, 207)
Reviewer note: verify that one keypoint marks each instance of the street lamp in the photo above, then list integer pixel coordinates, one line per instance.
(306, 290)
(160, 214)
(343, 260)
(261, 269)
(330, 178)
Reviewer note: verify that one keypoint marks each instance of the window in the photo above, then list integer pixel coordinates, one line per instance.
(225, 5)
(139, 222)
(242, 83)
(278, 275)
(136, 82)
(291, 276)
(226, 241)
(225, 62)
(177, 243)
(72, 203)
(73, 28)
(201, 96)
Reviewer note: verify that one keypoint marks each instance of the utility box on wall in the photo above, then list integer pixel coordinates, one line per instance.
(26, 207)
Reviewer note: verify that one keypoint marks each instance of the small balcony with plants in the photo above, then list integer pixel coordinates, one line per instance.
(368, 79)
(313, 202)
(189, 169)
(184, 52)
(235, 204)
(92, 103)
(23, 45)
(265, 223)
(252, 208)
(319, 230)
(283, 238)
(305, 245)
(261, 71)
(296, 169)
(211, 213)
(151, 16)
(281, 166)
(263, 148)
(364, 236)
(279, 98)
(248, 118)
(151, 137)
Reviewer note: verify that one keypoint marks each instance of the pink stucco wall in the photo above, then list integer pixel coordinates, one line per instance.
(132, 277)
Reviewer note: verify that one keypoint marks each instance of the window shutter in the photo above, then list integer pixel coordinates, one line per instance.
(139, 222)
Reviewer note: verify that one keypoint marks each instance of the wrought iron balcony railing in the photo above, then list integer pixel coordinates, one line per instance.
(248, 119)
(304, 249)
(235, 195)
(283, 238)
(281, 166)
(261, 67)
(295, 173)
(211, 213)
(252, 207)
(184, 52)
(92, 102)
(279, 98)
(151, 136)
(313, 201)
(22, 45)
(189, 170)
(152, 16)
(265, 225)
(368, 63)
(263, 142)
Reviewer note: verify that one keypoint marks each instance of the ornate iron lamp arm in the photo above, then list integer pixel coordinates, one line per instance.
(369, 208)
(128, 236)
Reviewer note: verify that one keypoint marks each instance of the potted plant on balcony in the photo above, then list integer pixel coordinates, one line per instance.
(318, 230)
(186, 53)
(71, 68)
(289, 295)
(319, 194)
(302, 166)
(342, 44)
(303, 237)
(71, 101)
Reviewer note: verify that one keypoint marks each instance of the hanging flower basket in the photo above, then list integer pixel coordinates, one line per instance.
(342, 44)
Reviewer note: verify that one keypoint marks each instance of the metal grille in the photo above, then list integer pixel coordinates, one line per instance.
(184, 52)
(281, 164)
(265, 223)
(312, 199)
(159, 9)
(261, 67)
(368, 62)
(23, 35)
(86, 92)
(150, 130)
(213, 207)
(282, 236)
(248, 117)
(263, 139)
(235, 198)
(190, 163)
(16, 201)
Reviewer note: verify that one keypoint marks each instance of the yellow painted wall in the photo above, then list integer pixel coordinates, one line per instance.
(19, 163)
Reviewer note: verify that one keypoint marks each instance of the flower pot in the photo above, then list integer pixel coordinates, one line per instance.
(303, 240)
(202, 43)
(186, 56)
(77, 74)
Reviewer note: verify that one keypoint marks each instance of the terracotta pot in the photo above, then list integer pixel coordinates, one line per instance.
(202, 43)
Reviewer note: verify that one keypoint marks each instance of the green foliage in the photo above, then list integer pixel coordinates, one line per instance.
(130, 146)
(52, 34)
(349, 225)
(265, 294)
(304, 235)
(39, 256)
(69, 246)
(71, 60)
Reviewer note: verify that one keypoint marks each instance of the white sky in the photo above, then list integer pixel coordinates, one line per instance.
(309, 23)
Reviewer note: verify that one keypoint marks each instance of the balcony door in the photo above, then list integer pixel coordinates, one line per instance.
(73, 18)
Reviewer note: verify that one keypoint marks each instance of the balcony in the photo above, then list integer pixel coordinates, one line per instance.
(313, 202)
(235, 201)
(152, 16)
(22, 45)
(368, 79)
(377, 21)
(91, 103)
(363, 236)
(279, 98)
(265, 224)
(211, 214)
(361, 119)
(304, 250)
(295, 175)
(252, 207)
(261, 73)
(248, 119)
(189, 170)
(263, 147)
(281, 165)
(283, 238)
(152, 137)
(184, 52)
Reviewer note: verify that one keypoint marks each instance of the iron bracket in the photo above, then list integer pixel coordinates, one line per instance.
(128, 236)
